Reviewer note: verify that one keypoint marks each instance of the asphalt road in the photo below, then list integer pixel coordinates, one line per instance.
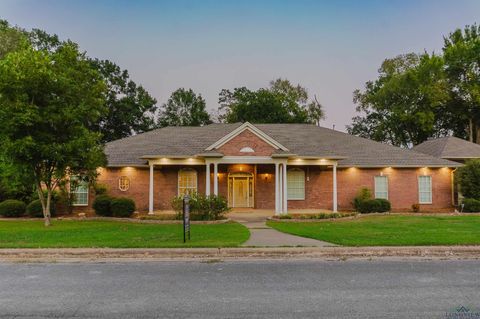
(240, 289)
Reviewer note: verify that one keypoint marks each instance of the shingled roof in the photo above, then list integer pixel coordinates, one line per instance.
(304, 140)
(449, 148)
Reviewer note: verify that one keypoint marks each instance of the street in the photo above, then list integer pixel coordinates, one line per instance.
(240, 289)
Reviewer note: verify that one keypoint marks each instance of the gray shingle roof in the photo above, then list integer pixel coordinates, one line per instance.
(301, 139)
(449, 147)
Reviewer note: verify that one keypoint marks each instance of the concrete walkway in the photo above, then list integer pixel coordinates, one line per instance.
(263, 236)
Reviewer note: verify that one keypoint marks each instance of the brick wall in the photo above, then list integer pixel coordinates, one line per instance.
(403, 186)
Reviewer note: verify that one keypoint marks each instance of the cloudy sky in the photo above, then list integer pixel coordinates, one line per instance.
(330, 47)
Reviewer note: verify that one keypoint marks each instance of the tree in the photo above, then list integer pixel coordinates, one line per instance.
(281, 102)
(47, 102)
(131, 109)
(404, 106)
(462, 65)
(11, 39)
(468, 178)
(184, 108)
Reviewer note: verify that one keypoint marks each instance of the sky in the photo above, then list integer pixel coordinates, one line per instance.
(329, 47)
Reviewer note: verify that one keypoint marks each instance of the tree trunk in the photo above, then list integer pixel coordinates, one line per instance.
(45, 204)
(470, 130)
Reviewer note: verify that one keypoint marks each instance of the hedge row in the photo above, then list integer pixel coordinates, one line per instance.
(105, 205)
(16, 208)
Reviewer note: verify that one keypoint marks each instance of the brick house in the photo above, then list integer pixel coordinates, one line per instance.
(279, 167)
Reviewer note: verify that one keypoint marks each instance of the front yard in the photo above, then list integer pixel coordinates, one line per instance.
(389, 230)
(117, 234)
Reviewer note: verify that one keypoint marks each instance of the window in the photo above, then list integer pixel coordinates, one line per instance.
(381, 187)
(425, 189)
(79, 188)
(296, 184)
(123, 183)
(187, 181)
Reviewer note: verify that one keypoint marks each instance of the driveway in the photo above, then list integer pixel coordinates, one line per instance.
(253, 289)
(263, 236)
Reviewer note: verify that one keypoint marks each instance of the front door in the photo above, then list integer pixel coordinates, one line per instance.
(240, 192)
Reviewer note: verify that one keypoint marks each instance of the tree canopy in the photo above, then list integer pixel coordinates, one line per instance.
(48, 100)
(417, 96)
(184, 108)
(281, 102)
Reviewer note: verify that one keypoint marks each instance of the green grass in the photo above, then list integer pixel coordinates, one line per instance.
(390, 230)
(117, 234)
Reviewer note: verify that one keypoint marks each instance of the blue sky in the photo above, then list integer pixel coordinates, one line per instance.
(330, 47)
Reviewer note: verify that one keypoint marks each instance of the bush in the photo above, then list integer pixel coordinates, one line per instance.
(471, 205)
(363, 195)
(373, 206)
(202, 207)
(416, 208)
(12, 208)
(468, 178)
(102, 205)
(100, 189)
(34, 209)
(122, 207)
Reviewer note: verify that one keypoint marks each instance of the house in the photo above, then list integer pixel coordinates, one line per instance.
(279, 167)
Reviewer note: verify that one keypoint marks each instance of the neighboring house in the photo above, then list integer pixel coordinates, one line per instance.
(451, 148)
(280, 167)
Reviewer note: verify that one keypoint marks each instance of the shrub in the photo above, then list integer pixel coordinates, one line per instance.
(122, 207)
(416, 208)
(373, 206)
(34, 209)
(102, 205)
(363, 195)
(468, 178)
(471, 205)
(202, 207)
(100, 189)
(284, 216)
(12, 208)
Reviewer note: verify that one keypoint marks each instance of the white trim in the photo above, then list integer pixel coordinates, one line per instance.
(207, 179)
(251, 128)
(335, 198)
(318, 161)
(76, 192)
(150, 192)
(277, 188)
(215, 179)
(250, 178)
(174, 161)
(285, 191)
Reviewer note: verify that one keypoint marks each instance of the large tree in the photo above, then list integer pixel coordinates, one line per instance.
(461, 53)
(48, 100)
(281, 102)
(184, 108)
(131, 109)
(404, 106)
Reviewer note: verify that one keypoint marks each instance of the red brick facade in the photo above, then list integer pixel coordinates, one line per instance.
(402, 185)
(246, 139)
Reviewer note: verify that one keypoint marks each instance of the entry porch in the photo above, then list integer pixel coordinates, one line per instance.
(265, 185)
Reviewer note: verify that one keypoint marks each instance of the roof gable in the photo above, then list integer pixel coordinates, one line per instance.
(253, 129)
(449, 148)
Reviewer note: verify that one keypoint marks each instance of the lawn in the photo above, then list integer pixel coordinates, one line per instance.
(389, 230)
(117, 234)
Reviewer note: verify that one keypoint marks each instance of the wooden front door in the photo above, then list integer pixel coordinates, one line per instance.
(240, 193)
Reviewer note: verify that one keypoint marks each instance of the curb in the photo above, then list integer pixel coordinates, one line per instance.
(170, 254)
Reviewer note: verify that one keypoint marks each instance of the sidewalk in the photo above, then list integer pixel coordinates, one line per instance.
(263, 236)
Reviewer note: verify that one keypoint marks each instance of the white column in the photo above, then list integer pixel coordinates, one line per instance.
(207, 180)
(335, 187)
(215, 179)
(284, 196)
(277, 190)
(150, 192)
